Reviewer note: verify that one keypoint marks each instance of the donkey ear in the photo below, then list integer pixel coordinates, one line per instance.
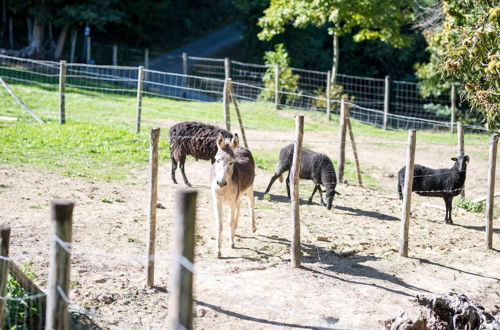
(221, 142)
(235, 141)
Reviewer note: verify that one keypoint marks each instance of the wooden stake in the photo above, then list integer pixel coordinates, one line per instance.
(386, 99)
(461, 149)
(62, 91)
(181, 299)
(140, 81)
(238, 114)
(21, 103)
(57, 316)
(294, 191)
(354, 150)
(491, 190)
(153, 200)
(328, 96)
(225, 104)
(4, 269)
(405, 216)
(343, 111)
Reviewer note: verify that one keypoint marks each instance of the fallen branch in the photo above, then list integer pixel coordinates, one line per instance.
(21, 103)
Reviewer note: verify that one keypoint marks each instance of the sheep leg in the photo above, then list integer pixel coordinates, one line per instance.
(321, 196)
(312, 195)
(271, 183)
(448, 202)
(288, 185)
(174, 168)
(251, 205)
(181, 166)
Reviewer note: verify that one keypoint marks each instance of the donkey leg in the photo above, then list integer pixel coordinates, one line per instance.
(218, 225)
(181, 166)
(251, 205)
(321, 196)
(233, 222)
(174, 168)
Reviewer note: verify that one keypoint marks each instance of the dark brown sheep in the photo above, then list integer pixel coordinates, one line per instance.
(195, 139)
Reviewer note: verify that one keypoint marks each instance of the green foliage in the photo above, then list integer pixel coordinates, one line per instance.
(470, 206)
(336, 93)
(470, 46)
(438, 110)
(288, 82)
(366, 19)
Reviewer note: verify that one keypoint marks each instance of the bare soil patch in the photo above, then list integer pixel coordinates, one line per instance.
(253, 285)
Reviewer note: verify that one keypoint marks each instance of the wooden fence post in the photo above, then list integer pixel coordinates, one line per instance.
(453, 100)
(294, 191)
(225, 104)
(387, 100)
(227, 67)
(238, 114)
(277, 86)
(57, 316)
(341, 163)
(62, 91)
(185, 63)
(461, 149)
(328, 94)
(354, 149)
(153, 200)
(146, 58)
(4, 269)
(140, 81)
(181, 302)
(115, 55)
(405, 216)
(491, 190)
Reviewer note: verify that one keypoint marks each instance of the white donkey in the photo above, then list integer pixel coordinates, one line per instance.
(231, 177)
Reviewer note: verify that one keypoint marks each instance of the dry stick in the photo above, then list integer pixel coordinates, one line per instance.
(181, 302)
(343, 111)
(387, 100)
(238, 114)
(405, 216)
(153, 199)
(4, 269)
(491, 190)
(354, 150)
(21, 103)
(140, 81)
(294, 187)
(461, 151)
(62, 93)
(57, 316)
(225, 104)
(328, 96)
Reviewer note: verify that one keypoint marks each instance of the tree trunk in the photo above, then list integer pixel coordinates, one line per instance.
(4, 22)
(35, 48)
(335, 64)
(29, 24)
(73, 46)
(11, 33)
(60, 42)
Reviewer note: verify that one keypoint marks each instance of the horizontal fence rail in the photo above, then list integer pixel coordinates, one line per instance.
(203, 80)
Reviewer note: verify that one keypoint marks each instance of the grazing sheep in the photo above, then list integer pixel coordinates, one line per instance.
(195, 139)
(231, 177)
(313, 166)
(445, 183)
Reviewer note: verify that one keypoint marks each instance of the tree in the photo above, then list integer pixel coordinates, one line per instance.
(366, 19)
(465, 47)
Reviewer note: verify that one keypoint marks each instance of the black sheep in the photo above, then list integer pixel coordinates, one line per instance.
(446, 183)
(195, 139)
(313, 166)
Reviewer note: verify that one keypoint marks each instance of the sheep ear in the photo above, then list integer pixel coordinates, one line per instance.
(466, 159)
(454, 159)
(235, 141)
(221, 142)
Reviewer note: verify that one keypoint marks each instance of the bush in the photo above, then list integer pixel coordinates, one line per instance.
(288, 82)
(336, 93)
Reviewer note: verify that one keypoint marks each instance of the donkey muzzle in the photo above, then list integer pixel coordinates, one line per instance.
(221, 183)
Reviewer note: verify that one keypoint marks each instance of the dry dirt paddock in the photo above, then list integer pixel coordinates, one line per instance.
(253, 285)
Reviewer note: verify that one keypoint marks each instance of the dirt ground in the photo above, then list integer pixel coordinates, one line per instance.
(253, 285)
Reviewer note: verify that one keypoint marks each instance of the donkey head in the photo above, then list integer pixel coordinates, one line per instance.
(224, 159)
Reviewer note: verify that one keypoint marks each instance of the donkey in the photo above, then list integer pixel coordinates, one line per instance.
(231, 176)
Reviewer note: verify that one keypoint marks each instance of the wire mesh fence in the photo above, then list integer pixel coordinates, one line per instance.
(205, 83)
